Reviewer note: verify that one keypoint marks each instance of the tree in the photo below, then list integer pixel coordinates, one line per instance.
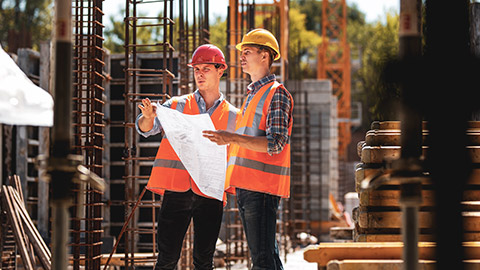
(305, 34)
(115, 36)
(303, 43)
(25, 23)
(380, 45)
(218, 32)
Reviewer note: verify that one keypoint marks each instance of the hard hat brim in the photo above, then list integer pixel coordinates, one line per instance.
(239, 47)
(223, 64)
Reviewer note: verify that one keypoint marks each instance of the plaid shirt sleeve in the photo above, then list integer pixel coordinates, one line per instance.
(278, 118)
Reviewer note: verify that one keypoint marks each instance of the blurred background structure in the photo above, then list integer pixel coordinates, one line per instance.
(346, 130)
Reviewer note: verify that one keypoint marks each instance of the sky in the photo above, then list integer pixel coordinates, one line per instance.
(373, 9)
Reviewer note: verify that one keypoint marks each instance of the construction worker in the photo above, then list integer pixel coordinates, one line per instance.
(259, 164)
(182, 199)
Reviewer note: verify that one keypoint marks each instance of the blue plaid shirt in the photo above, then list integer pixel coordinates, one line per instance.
(278, 116)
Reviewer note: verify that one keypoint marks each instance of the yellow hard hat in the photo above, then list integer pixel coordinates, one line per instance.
(260, 37)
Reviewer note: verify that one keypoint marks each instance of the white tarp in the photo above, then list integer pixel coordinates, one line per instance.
(21, 101)
(204, 160)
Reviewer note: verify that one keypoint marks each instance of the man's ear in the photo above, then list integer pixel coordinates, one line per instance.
(222, 70)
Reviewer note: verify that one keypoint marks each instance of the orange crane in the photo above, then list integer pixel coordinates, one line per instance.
(334, 64)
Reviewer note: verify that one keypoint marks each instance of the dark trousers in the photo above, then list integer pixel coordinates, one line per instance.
(258, 212)
(178, 208)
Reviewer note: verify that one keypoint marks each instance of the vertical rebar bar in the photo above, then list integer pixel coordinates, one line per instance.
(88, 130)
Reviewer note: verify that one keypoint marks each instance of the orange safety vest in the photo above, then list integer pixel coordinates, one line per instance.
(252, 170)
(168, 172)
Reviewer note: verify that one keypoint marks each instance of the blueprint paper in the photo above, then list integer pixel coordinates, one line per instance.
(204, 160)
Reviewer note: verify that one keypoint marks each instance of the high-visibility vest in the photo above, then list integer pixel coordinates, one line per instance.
(168, 172)
(257, 171)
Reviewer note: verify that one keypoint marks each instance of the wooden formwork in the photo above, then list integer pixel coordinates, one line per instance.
(378, 217)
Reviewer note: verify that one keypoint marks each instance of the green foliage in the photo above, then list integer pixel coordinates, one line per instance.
(303, 44)
(313, 13)
(218, 33)
(115, 36)
(30, 18)
(379, 45)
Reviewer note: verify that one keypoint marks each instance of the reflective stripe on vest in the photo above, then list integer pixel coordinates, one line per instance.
(232, 119)
(257, 165)
(258, 171)
(254, 130)
(168, 163)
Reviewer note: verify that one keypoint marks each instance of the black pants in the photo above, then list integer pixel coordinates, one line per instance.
(178, 208)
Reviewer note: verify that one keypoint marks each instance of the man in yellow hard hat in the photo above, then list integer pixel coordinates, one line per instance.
(258, 169)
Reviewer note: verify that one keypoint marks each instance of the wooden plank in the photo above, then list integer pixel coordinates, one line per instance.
(393, 238)
(376, 265)
(41, 249)
(325, 252)
(381, 154)
(362, 173)
(396, 125)
(392, 220)
(17, 229)
(17, 185)
(468, 236)
(391, 198)
(118, 259)
(393, 137)
(387, 138)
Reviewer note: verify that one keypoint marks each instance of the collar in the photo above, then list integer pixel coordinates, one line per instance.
(255, 86)
(199, 98)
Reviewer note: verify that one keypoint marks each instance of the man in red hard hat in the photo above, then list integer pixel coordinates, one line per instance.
(258, 169)
(182, 199)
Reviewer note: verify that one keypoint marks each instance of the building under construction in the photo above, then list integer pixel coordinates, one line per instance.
(82, 182)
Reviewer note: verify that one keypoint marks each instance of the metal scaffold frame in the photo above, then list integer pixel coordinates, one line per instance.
(135, 75)
(170, 77)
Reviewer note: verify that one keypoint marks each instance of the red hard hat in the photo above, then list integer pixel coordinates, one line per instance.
(208, 54)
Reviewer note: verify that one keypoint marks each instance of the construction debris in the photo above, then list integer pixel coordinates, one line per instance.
(17, 222)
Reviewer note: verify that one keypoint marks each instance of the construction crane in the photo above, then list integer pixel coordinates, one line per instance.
(334, 64)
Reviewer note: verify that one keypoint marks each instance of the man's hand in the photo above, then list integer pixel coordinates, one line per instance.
(220, 137)
(149, 110)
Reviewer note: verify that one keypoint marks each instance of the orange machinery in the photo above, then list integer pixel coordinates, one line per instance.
(334, 64)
